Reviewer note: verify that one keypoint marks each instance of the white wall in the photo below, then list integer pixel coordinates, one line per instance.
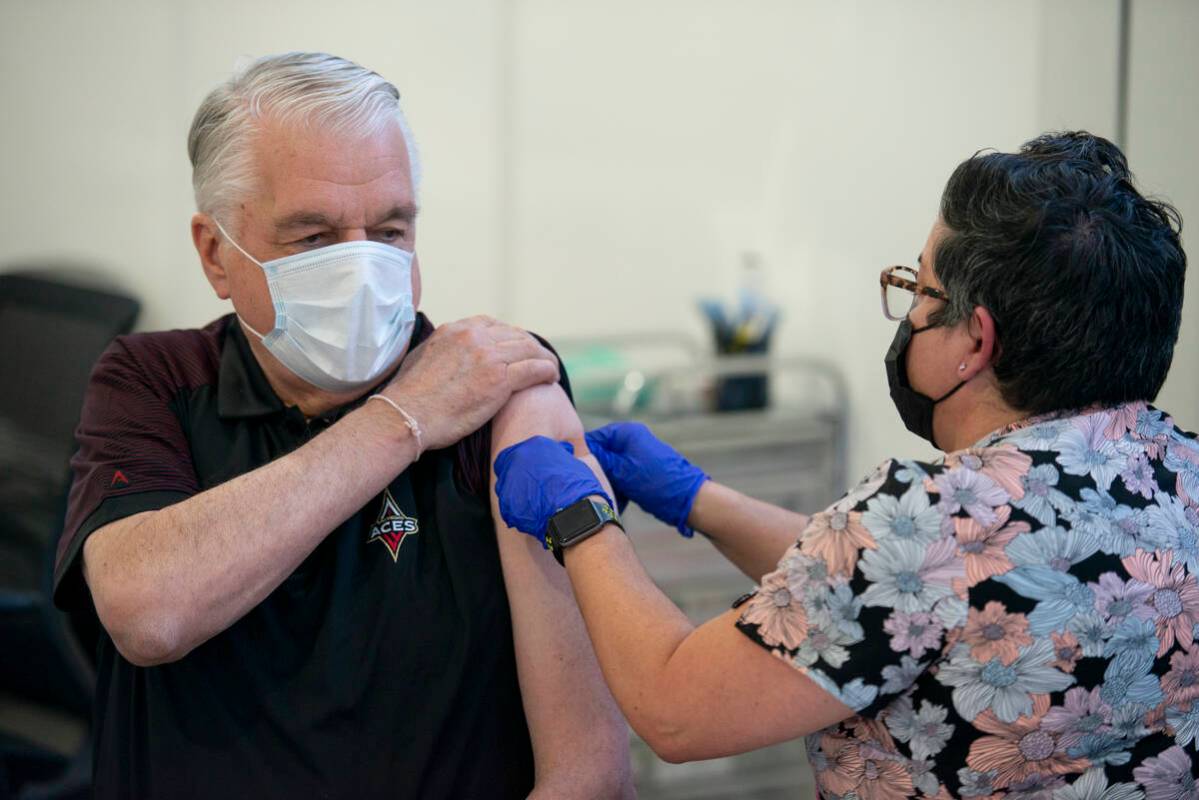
(595, 167)
(651, 153)
(98, 99)
(1162, 138)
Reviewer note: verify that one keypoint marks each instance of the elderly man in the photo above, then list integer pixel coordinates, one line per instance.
(284, 521)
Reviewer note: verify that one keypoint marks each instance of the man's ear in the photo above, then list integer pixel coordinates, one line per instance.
(207, 239)
(985, 345)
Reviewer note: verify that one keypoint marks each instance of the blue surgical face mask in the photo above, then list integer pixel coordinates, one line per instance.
(343, 313)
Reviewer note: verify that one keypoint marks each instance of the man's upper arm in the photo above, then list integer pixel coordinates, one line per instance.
(541, 410)
(476, 452)
(565, 697)
(133, 457)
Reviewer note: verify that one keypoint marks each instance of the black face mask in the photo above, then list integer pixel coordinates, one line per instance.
(915, 409)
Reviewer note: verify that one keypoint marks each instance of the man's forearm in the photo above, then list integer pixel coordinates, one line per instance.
(748, 532)
(580, 740)
(166, 581)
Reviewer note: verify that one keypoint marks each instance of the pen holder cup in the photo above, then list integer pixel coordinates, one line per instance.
(742, 392)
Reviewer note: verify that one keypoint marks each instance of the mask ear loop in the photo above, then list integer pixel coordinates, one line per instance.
(231, 241)
(241, 250)
(246, 325)
(952, 391)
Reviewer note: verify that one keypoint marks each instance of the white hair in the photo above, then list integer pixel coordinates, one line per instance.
(292, 89)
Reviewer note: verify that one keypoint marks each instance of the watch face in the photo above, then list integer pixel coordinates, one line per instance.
(574, 520)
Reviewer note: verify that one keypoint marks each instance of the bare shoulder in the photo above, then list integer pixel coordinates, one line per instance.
(543, 410)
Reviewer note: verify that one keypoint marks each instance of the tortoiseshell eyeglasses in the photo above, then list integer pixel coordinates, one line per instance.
(900, 292)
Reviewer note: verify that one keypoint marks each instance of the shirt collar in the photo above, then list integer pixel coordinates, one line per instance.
(243, 390)
(1037, 420)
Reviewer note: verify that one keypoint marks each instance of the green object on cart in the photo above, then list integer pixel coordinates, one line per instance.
(597, 377)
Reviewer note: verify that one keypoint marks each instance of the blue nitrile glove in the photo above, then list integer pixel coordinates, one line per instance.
(647, 471)
(538, 478)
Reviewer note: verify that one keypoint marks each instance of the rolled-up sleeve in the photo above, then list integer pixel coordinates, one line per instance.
(133, 456)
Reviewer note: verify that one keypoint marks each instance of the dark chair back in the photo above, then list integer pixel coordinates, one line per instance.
(51, 333)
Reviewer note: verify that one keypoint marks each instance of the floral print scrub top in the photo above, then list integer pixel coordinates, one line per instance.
(1019, 621)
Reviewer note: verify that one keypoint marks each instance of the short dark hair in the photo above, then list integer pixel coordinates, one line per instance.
(1082, 274)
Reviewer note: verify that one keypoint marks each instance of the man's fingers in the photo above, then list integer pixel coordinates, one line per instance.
(531, 372)
(480, 321)
(522, 349)
(507, 333)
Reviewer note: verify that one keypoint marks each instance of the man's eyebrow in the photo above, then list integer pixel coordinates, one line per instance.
(315, 219)
(403, 213)
(304, 219)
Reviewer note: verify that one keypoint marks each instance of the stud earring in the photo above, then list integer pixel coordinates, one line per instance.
(962, 367)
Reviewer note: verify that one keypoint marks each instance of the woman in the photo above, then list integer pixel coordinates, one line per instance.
(1016, 620)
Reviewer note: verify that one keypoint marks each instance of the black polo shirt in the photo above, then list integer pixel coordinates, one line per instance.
(382, 667)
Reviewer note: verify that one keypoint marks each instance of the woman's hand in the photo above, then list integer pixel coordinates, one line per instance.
(538, 478)
(646, 470)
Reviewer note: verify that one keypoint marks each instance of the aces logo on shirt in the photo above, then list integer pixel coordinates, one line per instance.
(393, 526)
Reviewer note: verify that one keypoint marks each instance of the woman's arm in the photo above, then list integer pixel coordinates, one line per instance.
(807, 649)
(580, 740)
(748, 532)
(655, 476)
(690, 693)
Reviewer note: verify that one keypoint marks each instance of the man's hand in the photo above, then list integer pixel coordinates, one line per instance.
(647, 471)
(463, 374)
(538, 478)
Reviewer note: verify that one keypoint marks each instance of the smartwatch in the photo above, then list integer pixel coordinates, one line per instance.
(576, 522)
